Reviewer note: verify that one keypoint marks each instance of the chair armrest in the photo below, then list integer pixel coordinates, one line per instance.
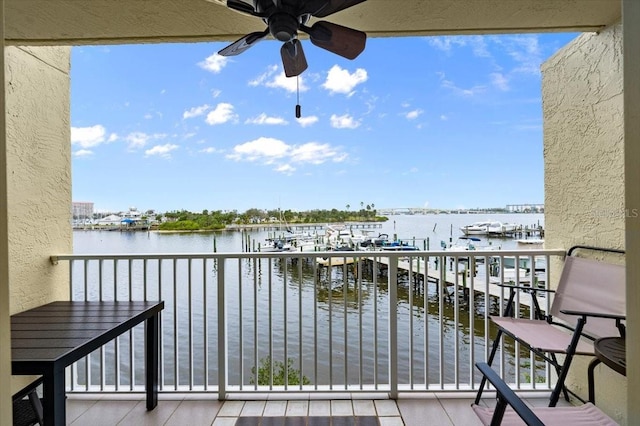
(506, 394)
(594, 314)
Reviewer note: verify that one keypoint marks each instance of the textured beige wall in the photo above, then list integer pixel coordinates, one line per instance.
(5, 353)
(39, 173)
(631, 34)
(582, 100)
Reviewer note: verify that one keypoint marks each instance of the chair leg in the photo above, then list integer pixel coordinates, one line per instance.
(555, 395)
(36, 405)
(592, 392)
(492, 355)
(558, 368)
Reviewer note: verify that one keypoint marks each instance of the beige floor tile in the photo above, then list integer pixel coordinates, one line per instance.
(253, 408)
(225, 421)
(319, 408)
(297, 408)
(460, 412)
(415, 411)
(77, 407)
(391, 421)
(139, 416)
(194, 413)
(105, 413)
(364, 408)
(386, 407)
(341, 408)
(275, 408)
(231, 409)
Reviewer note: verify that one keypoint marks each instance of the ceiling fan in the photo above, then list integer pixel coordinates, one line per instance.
(284, 18)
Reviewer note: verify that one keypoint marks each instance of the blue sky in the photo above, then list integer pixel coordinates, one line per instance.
(443, 122)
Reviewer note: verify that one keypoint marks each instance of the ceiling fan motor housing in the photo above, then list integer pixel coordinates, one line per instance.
(283, 26)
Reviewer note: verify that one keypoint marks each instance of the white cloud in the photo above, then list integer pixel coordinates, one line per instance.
(443, 117)
(412, 115)
(500, 81)
(286, 169)
(466, 92)
(307, 120)
(88, 137)
(209, 150)
(284, 157)
(278, 80)
(264, 119)
(525, 50)
(214, 63)
(163, 151)
(339, 80)
(262, 149)
(83, 153)
(196, 111)
(344, 122)
(113, 137)
(137, 140)
(222, 113)
(148, 116)
(216, 92)
(315, 153)
(446, 44)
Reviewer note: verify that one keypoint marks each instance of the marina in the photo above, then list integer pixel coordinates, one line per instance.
(290, 305)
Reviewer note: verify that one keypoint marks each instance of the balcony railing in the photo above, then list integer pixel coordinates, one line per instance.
(313, 322)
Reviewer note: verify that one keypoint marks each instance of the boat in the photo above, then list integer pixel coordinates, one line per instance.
(476, 228)
(499, 228)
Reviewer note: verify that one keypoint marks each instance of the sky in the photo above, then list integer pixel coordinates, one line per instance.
(438, 122)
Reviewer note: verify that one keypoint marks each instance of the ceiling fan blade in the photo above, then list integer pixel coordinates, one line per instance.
(343, 41)
(322, 8)
(241, 6)
(242, 44)
(293, 59)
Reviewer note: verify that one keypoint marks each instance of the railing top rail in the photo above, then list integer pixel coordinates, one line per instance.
(298, 254)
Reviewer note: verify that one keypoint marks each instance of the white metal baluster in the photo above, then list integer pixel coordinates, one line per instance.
(87, 359)
(270, 263)
(130, 332)
(240, 326)
(316, 279)
(442, 289)
(393, 327)
(425, 301)
(190, 309)
(300, 281)
(456, 322)
(117, 339)
(471, 306)
(345, 289)
(375, 321)
(103, 377)
(411, 284)
(330, 324)
(360, 336)
(205, 328)
(161, 334)
(222, 333)
(255, 319)
(175, 324)
(286, 340)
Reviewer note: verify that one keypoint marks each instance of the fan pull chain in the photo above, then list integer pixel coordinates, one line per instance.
(298, 107)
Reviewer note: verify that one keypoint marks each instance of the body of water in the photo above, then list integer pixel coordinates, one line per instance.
(334, 326)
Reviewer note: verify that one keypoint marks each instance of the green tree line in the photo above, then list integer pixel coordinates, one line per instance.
(184, 220)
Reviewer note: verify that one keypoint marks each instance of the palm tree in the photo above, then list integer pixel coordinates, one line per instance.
(348, 206)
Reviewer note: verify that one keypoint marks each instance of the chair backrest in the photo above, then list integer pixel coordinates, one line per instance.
(591, 286)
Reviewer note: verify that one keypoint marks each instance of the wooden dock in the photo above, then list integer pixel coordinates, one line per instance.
(461, 281)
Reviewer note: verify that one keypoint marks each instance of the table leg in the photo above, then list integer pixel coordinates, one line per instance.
(54, 398)
(152, 333)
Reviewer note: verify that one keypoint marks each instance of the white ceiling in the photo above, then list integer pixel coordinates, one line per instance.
(64, 22)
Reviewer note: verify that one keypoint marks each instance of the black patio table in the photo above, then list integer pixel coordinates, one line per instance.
(47, 339)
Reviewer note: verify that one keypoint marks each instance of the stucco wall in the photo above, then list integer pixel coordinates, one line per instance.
(582, 99)
(39, 173)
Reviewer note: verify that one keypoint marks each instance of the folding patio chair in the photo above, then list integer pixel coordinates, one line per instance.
(589, 302)
(585, 415)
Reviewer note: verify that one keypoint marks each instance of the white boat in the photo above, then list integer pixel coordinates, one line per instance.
(476, 228)
(467, 244)
(499, 228)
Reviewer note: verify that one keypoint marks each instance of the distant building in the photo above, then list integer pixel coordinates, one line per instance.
(82, 211)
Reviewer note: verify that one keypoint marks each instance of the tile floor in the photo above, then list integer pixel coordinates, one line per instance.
(197, 410)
